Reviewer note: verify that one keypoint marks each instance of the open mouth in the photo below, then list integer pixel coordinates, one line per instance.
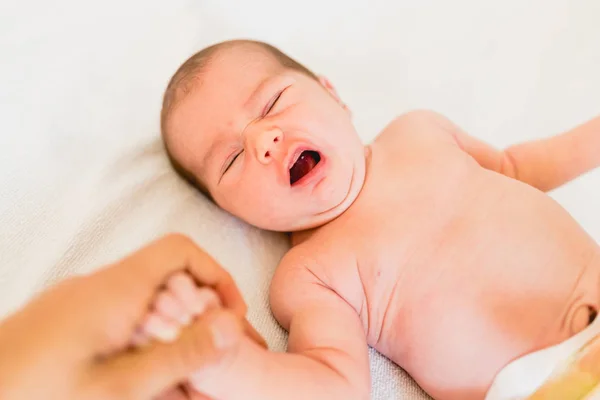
(303, 165)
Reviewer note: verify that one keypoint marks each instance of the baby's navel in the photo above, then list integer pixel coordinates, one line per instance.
(582, 318)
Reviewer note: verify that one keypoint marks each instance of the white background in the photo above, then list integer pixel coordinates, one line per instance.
(83, 179)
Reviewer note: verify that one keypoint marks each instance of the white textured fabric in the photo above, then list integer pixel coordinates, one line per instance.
(83, 177)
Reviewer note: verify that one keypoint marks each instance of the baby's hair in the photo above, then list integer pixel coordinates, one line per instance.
(184, 79)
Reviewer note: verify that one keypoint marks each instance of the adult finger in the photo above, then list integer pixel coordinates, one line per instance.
(120, 294)
(139, 274)
(254, 335)
(208, 343)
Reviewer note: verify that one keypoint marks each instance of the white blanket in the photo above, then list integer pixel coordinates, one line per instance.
(83, 178)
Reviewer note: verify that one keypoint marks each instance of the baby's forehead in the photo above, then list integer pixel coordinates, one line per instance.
(244, 60)
(231, 76)
(234, 80)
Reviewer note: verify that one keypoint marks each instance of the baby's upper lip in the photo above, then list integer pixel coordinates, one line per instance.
(294, 154)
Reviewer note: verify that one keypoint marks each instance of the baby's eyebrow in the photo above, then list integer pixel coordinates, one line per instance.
(255, 96)
(210, 154)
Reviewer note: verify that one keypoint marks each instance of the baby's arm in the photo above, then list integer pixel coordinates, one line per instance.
(546, 163)
(327, 357)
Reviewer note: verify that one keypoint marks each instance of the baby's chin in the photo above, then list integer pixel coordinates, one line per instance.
(324, 205)
(293, 223)
(327, 206)
(315, 219)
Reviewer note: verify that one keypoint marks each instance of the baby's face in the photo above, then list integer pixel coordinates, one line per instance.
(273, 146)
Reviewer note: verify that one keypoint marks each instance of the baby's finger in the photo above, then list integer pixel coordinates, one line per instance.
(155, 326)
(133, 283)
(205, 299)
(195, 300)
(184, 289)
(168, 305)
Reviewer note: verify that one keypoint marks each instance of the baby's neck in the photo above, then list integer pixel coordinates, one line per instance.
(300, 237)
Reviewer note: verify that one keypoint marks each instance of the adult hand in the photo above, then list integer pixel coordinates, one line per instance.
(72, 341)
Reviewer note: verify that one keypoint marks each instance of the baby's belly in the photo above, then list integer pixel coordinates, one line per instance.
(505, 279)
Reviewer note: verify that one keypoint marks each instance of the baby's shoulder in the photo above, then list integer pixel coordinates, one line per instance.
(313, 252)
(309, 269)
(301, 271)
(416, 126)
(317, 258)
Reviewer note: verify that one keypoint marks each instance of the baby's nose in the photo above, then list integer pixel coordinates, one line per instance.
(268, 145)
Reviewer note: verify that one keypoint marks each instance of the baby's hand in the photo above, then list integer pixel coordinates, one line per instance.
(173, 308)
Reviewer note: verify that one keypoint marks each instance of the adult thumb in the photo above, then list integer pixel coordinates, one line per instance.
(146, 373)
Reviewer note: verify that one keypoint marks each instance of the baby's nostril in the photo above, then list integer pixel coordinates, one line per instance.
(276, 139)
(267, 154)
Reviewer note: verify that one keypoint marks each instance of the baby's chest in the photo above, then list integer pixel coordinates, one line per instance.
(392, 227)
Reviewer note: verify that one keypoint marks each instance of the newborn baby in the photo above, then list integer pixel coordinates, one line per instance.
(439, 251)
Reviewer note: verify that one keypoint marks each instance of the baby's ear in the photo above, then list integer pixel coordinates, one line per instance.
(331, 89)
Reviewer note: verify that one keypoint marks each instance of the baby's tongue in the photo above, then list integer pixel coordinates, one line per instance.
(303, 166)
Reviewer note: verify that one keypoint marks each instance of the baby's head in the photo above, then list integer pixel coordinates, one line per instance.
(262, 136)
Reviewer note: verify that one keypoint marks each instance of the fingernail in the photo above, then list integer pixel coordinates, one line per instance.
(167, 334)
(161, 330)
(199, 309)
(224, 332)
(185, 319)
